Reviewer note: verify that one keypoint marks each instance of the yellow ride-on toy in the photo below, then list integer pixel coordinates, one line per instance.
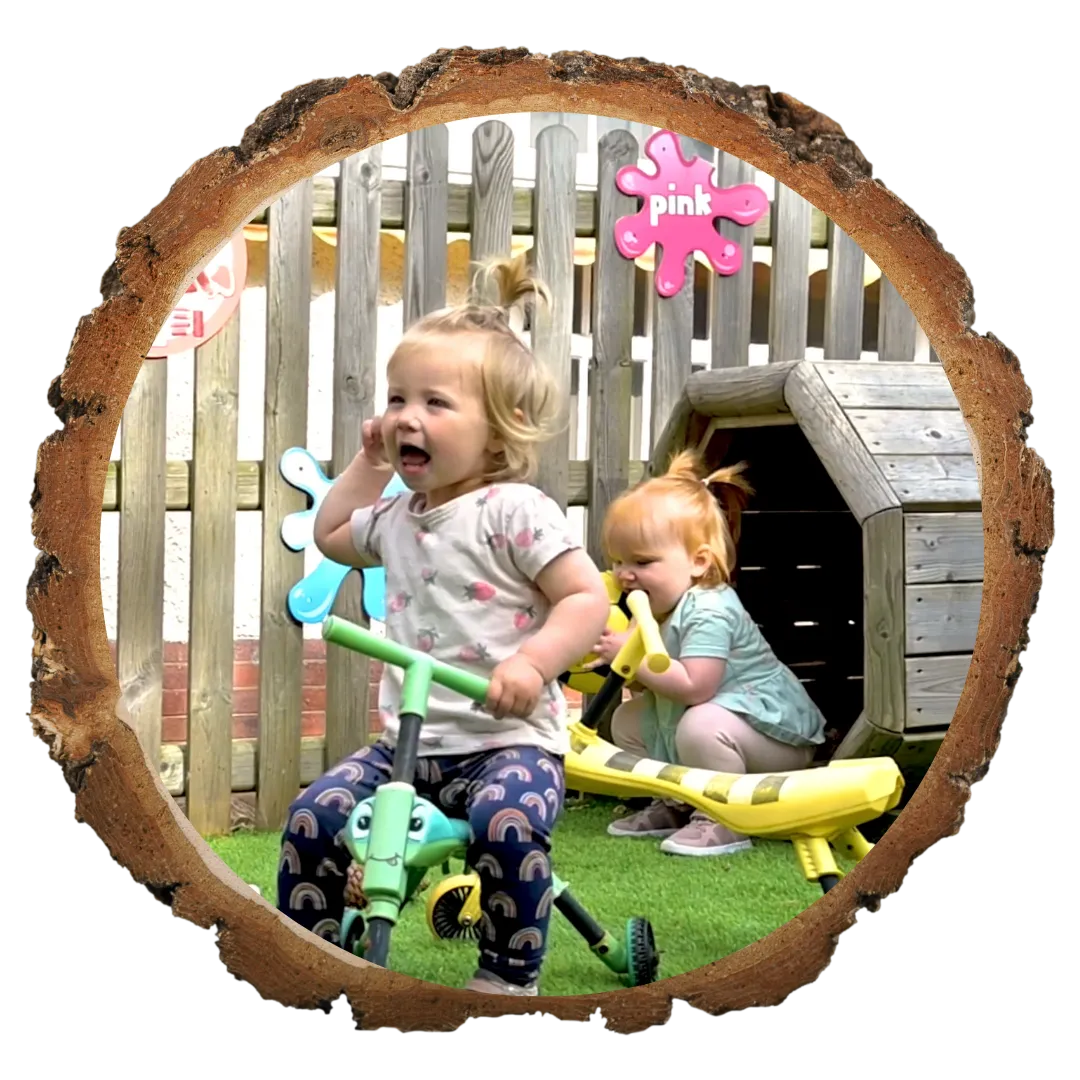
(818, 809)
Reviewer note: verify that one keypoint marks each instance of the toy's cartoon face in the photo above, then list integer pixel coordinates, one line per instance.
(590, 682)
(431, 838)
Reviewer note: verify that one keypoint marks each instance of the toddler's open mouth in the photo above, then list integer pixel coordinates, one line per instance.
(413, 459)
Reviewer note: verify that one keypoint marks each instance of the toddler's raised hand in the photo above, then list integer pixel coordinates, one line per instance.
(374, 450)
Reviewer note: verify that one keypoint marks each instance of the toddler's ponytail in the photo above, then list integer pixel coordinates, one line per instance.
(728, 484)
(507, 285)
(733, 492)
(681, 501)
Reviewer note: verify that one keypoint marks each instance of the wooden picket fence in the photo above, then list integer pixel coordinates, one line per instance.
(609, 299)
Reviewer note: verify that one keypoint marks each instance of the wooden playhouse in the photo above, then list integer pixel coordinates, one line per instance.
(861, 552)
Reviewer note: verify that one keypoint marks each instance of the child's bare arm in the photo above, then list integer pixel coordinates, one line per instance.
(687, 682)
(359, 485)
(579, 613)
(362, 482)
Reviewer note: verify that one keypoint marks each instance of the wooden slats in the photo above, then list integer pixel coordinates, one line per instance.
(393, 212)
(883, 619)
(934, 685)
(943, 548)
(904, 468)
(732, 297)
(672, 334)
(932, 480)
(897, 329)
(613, 326)
(888, 386)
(911, 431)
(213, 567)
(942, 618)
(141, 573)
(491, 227)
(789, 289)
(556, 178)
(938, 495)
(243, 757)
(355, 340)
(424, 287)
(288, 304)
(844, 296)
(249, 484)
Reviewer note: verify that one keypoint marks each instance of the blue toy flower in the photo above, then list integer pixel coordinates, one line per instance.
(312, 598)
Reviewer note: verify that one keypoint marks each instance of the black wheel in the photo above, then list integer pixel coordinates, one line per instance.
(444, 912)
(642, 958)
(827, 881)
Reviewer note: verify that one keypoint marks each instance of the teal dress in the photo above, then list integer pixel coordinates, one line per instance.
(712, 622)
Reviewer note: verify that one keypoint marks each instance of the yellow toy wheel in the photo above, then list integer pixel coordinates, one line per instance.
(453, 908)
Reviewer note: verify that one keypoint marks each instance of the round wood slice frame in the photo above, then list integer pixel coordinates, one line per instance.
(75, 693)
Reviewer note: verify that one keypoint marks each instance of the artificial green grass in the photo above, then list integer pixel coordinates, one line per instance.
(701, 909)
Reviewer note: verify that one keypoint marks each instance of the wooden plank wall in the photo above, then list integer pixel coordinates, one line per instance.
(908, 418)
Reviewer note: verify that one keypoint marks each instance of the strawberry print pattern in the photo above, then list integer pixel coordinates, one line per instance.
(472, 654)
(460, 588)
(527, 537)
(480, 590)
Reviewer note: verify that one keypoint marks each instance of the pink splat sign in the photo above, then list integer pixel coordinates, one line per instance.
(208, 303)
(681, 205)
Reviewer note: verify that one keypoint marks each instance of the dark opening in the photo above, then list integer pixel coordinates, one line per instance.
(799, 568)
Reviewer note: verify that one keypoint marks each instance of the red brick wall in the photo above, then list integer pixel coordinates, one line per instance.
(246, 690)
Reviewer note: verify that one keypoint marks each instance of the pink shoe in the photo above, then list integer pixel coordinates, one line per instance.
(703, 836)
(657, 819)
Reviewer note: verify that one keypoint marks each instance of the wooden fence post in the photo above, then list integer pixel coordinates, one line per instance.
(425, 222)
(789, 293)
(732, 298)
(844, 297)
(897, 328)
(492, 224)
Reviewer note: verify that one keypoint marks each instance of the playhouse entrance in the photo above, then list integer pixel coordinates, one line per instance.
(800, 567)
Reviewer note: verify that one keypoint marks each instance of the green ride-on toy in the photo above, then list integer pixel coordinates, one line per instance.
(396, 836)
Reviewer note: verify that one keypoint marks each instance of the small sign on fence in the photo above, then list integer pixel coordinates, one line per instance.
(681, 205)
(208, 303)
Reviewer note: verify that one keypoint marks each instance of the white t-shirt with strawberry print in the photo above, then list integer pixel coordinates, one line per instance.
(460, 586)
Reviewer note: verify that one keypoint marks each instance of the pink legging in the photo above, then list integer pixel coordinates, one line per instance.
(711, 737)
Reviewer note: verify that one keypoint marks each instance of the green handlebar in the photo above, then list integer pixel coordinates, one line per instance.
(342, 632)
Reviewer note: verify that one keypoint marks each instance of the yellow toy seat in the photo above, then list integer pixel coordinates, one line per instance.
(815, 802)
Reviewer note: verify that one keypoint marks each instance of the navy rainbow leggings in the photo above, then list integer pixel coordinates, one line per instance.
(510, 797)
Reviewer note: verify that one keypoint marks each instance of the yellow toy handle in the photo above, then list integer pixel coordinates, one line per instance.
(644, 645)
(656, 656)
